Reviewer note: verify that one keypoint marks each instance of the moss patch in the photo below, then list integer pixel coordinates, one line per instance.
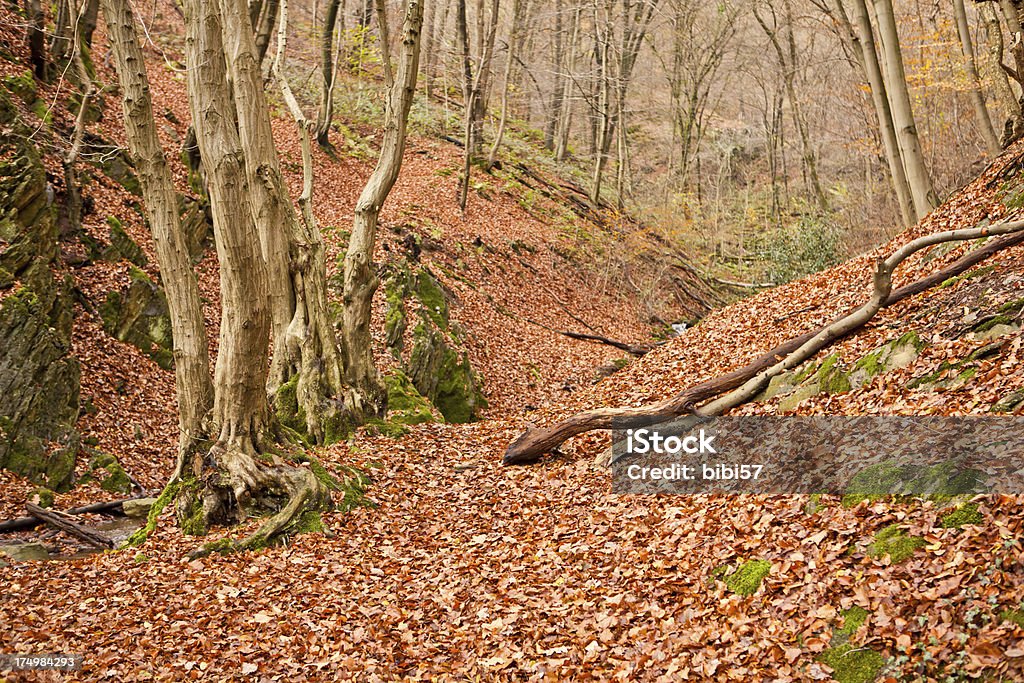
(1014, 616)
(965, 514)
(747, 578)
(165, 498)
(850, 664)
(112, 478)
(936, 482)
(894, 542)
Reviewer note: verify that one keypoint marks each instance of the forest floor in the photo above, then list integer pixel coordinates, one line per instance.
(463, 569)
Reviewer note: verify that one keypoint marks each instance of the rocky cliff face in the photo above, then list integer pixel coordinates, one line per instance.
(39, 377)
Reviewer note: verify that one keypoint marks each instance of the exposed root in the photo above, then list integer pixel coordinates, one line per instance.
(235, 484)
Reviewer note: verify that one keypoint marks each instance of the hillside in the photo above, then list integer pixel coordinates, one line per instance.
(459, 568)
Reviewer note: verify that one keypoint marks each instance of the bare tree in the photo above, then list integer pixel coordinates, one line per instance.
(974, 88)
(191, 351)
(360, 279)
(328, 72)
(520, 12)
(903, 114)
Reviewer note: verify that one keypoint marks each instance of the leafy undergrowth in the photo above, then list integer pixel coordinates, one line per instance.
(467, 570)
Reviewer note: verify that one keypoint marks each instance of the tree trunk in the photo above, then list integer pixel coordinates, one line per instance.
(305, 349)
(360, 279)
(555, 108)
(565, 113)
(191, 350)
(975, 92)
(518, 17)
(37, 39)
(864, 44)
(265, 28)
(1013, 119)
(328, 72)
(226, 483)
(903, 115)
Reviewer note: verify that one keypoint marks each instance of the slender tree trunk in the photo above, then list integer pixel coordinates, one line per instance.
(328, 72)
(360, 280)
(565, 113)
(555, 108)
(37, 39)
(903, 115)
(518, 17)
(265, 28)
(191, 350)
(975, 92)
(864, 44)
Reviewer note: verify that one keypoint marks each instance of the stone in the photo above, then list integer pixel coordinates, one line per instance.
(139, 315)
(996, 331)
(39, 378)
(138, 508)
(25, 552)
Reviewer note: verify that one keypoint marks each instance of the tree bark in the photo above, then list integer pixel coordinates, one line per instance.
(742, 384)
(360, 278)
(37, 39)
(305, 348)
(864, 44)
(191, 348)
(903, 115)
(328, 72)
(975, 92)
(518, 18)
(1013, 117)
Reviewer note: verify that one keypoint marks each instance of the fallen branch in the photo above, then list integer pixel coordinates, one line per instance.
(745, 382)
(65, 523)
(23, 523)
(622, 346)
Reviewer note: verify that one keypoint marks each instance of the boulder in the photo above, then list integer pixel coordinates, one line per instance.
(138, 508)
(25, 552)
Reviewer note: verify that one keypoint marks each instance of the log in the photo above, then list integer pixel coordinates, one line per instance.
(622, 346)
(23, 523)
(64, 522)
(536, 441)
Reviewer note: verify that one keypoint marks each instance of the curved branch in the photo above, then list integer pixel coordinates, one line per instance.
(744, 383)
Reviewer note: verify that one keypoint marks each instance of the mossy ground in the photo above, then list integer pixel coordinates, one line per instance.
(965, 514)
(894, 542)
(747, 577)
(851, 664)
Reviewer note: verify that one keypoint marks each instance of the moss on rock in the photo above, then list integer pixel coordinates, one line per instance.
(936, 482)
(39, 378)
(139, 316)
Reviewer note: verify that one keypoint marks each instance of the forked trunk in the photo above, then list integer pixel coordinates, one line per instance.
(360, 279)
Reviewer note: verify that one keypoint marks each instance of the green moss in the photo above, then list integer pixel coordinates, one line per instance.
(992, 322)
(969, 275)
(853, 619)
(1010, 306)
(108, 471)
(431, 295)
(831, 379)
(123, 246)
(396, 289)
(165, 498)
(286, 405)
(853, 665)
(1014, 616)
(894, 542)
(43, 497)
(388, 428)
(965, 514)
(748, 577)
(405, 404)
(22, 85)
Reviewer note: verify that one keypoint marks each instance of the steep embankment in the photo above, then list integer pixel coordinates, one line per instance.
(469, 306)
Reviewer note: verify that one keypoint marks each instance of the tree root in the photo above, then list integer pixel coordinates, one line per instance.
(744, 383)
(236, 483)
